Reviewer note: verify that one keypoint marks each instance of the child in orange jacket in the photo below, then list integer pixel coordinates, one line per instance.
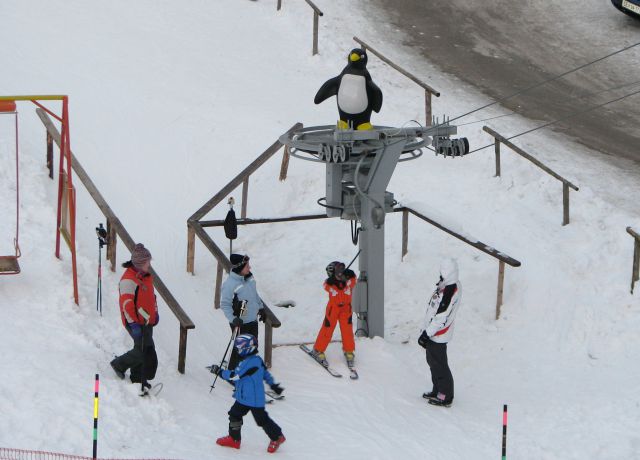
(339, 285)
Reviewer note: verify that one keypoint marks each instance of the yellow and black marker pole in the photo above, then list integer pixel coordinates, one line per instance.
(95, 418)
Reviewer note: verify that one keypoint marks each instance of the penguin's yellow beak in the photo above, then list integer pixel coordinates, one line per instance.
(354, 57)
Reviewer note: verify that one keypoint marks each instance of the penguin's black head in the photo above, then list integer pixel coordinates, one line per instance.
(357, 58)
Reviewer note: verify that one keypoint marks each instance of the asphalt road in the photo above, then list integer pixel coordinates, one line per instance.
(501, 47)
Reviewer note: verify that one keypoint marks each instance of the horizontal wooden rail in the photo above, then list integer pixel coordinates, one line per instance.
(240, 178)
(476, 244)
(314, 7)
(532, 159)
(388, 61)
(115, 224)
(428, 90)
(566, 184)
(502, 258)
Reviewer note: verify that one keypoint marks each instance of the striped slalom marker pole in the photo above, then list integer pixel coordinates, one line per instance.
(95, 418)
(504, 432)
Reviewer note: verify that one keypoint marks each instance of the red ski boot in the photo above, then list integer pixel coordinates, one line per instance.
(273, 445)
(228, 441)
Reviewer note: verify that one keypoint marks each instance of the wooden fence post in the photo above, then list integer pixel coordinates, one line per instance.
(50, 154)
(268, 343)
(245, 193)
(191, 249)
(112, 241)
(497, 150)
(428, 114)
(216, 299)
(565, 203)
(405, 233)
(284, 166)
(182, 349)
(315, 32)
(500, 288)
(635, 275)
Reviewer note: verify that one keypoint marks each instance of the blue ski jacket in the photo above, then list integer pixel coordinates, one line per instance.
(245, 288)
(248, 377)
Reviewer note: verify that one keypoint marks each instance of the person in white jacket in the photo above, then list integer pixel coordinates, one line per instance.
(437, 331)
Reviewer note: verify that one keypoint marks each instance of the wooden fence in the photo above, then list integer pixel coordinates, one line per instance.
(635, 276)
(428, 90)
(316, 19)
(565, 183)
(114, 226)
(499, 255)
(195, 227)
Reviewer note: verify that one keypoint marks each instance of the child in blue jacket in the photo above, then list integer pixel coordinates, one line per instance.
(249, 394)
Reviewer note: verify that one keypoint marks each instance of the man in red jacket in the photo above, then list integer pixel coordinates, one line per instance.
(139, 312)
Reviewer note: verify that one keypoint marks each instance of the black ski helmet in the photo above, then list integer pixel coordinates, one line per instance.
(335, 269)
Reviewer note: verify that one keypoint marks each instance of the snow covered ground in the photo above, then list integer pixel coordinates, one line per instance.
(168, 102)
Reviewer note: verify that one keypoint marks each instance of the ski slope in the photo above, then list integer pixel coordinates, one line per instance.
(169, 101)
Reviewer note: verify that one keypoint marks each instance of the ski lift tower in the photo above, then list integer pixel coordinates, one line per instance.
(359, 165)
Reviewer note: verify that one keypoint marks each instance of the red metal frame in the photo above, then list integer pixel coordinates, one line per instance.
(65, 161)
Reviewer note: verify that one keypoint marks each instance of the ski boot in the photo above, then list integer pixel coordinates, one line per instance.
(440, 400)
(118, 372)
(350, 357)
(432, 394)
(273, 445)
(144, 389)
(228, 441)
(320, 357)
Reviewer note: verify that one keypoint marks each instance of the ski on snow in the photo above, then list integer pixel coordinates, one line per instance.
(326, 367)
(353, 373)
(273, 395)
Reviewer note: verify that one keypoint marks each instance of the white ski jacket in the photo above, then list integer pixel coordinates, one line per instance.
(443, 306)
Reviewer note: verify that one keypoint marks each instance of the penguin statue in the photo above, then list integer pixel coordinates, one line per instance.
(356, 93)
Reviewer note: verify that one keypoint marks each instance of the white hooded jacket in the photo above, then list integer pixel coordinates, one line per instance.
(444, 303)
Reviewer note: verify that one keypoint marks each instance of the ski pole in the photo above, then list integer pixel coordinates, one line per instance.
(143, 376)
(102, 241)
(234, 334)
(99, 290)
(354, 259)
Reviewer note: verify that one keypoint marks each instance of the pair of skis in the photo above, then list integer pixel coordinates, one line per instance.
(353, 374)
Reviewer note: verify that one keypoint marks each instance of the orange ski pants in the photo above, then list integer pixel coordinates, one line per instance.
(336, 314)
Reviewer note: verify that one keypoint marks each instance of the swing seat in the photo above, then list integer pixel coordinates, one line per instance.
(9, 265)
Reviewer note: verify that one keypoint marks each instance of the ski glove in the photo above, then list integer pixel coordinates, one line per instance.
(237, 322)
(423, 339)
(262, 316)
(157, 318)
(135, 330)
(215, 369)
(277, 389)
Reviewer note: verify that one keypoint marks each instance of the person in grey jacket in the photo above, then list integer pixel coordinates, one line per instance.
(239, 288)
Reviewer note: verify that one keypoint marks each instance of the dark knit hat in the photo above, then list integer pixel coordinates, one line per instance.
(140, 255)
(238, 261)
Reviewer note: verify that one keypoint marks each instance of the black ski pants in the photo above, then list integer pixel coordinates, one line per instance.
(261, 417)
(246, 328)
(441, 376)
(141, 359)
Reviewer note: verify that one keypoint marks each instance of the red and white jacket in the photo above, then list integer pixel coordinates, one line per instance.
(137, 298)
(442, 308)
